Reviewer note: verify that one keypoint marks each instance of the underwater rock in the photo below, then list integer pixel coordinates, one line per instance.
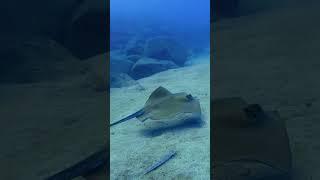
(96, 77)
(122, 80)
(166, 48)
(120, 64)
(118, 40)
(117, 53)
(134, 58)
(135, 46)
(37, 59)
(148, 66)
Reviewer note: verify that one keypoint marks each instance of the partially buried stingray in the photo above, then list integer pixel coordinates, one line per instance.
(163, 105)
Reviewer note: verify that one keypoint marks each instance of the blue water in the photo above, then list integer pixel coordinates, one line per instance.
(189, 19)
(187, 22)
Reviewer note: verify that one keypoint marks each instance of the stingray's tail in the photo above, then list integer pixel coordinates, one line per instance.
(136, 114)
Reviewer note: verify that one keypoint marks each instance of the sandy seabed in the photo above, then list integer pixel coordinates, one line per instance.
(134, 147)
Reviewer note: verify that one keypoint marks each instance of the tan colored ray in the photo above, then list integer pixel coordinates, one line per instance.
(162, 105)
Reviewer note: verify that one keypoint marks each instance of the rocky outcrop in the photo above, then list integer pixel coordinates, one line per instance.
(120, 64)
(148, 66)
(135, 46)
(96, 75)
(165, 48)
(133, 58)
(35, 60)
(122, 80)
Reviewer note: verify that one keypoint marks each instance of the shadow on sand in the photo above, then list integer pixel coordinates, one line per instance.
(164, 128)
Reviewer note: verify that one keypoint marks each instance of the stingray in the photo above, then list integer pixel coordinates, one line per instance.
(162, 105)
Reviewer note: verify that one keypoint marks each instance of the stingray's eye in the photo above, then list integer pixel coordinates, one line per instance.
(189, 97)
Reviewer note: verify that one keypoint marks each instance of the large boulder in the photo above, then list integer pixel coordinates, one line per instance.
(35, 60)
(96, 76)
(118, 40)
(148, 66)
(98, 79)
(118, 53)
(166, 48)
(134, 58)
(120, 63)
(135, 46)
(122, 80)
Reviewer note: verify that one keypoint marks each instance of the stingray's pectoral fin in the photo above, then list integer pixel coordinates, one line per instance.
(134, 115)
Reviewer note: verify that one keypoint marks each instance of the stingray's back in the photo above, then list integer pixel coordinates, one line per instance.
(172, 107)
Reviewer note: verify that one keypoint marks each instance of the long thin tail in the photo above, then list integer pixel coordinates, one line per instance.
(87, 166)
(136, 114)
